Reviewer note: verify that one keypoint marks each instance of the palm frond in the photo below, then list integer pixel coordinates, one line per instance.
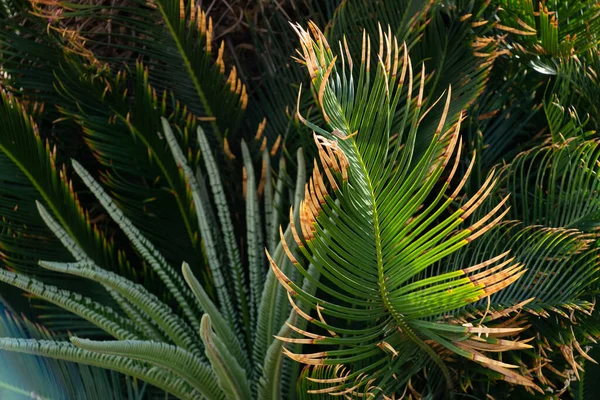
(554, 234)
(62, 350)
(177, 46)
(31, 171)
(369, 191)
(556, 185)
(560, 266)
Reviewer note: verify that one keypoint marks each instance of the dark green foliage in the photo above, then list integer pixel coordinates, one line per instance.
(179, 158)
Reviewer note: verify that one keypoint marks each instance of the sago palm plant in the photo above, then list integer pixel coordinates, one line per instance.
(159, 212)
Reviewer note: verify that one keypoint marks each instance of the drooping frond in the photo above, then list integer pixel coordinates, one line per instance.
(124, 112)
(30, 172)
(101, 316)
(560, 266)
(179, 332)
(35, 161)
(554, 233)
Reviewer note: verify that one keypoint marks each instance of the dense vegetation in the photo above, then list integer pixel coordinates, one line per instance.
(381, 199)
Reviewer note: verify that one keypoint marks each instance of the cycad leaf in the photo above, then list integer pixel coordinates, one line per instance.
(120, 123)
(177, 330)
(166, 273)
(560, 266)
(556, 185)
(255, 246)
(175, 39)
(190, 31)
(226, 227)
(370, 234)
(210, 242)
(34, 174)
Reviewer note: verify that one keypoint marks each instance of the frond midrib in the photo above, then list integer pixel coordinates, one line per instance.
(402, 325)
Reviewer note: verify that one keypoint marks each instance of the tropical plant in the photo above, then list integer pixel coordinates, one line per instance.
(442, 244)
(238, 358)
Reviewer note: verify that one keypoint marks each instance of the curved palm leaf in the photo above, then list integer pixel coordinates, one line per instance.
(556, 185)
(376, 187)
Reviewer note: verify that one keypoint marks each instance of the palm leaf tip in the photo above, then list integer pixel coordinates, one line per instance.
(368, 224)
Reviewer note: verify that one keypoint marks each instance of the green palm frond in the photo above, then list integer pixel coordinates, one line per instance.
(369, 191)
(30, 171)
(560, 266)
(175, 40)
(553, 204)
(556, 185)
